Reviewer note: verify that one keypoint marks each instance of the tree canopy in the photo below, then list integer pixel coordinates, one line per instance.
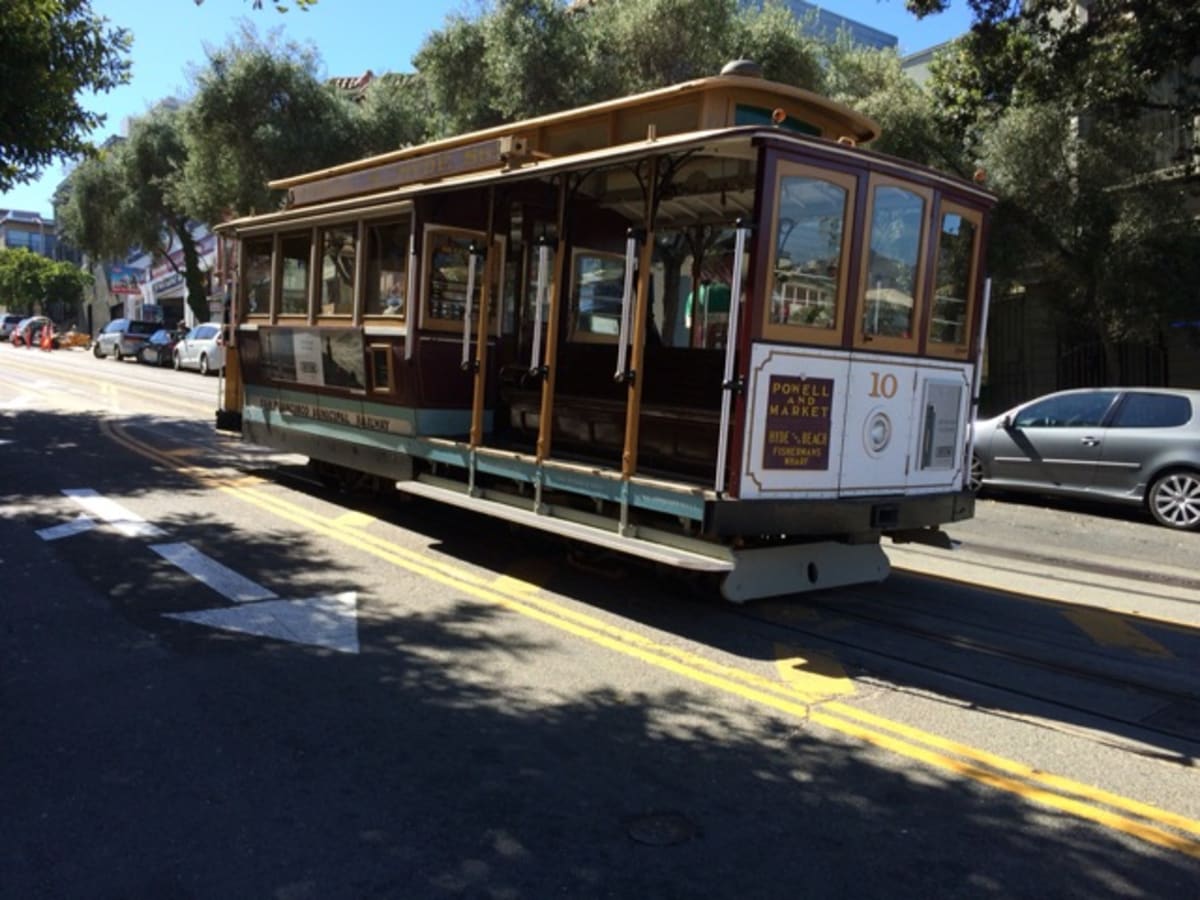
(50, 52)
(1082, 120)
(28, 279)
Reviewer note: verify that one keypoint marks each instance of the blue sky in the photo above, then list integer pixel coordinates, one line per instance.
(351, 36)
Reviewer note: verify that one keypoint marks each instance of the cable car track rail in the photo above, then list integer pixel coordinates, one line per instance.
(917, 659)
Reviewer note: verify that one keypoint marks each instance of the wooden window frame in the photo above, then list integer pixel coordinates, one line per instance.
(942, 348)
(888, 344)
(278, 316)
(373, 318)
(317, 302)
(493, 265)
(375, 387)
(807, 334)
(244, 315)
(574, 335)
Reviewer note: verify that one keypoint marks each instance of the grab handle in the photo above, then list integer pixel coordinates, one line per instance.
(631, 242)
(539, 300)
(728, 384)
(473, 255)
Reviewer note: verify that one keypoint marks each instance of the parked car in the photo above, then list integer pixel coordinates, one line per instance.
(8, 322)
(201, 349)
(123, 337)
(1124, 445)
(159, 347)
(28, 332)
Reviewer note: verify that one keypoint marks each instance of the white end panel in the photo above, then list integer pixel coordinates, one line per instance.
(878, 425)
(826, 423)
(796, 399)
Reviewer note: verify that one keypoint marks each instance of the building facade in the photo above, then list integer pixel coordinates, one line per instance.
(827, 25)
(22, 230)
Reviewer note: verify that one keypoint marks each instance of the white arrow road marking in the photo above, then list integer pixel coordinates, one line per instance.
(226, 582)
(80, 525)
(327, 621)
(128, 523)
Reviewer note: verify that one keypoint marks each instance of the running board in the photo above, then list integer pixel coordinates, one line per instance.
(611, 540)
(750, 574)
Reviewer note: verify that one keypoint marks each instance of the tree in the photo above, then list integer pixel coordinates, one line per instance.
(478, 70)
(302, 5)
(872, 82)
(259, 112)
(1115, 248)
(395, 111)
(132, 196)
(89, 203)
(62, 290)
(1075, 117)
(50, 52)
(28, 279)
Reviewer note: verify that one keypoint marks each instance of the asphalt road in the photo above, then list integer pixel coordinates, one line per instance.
(227, 682)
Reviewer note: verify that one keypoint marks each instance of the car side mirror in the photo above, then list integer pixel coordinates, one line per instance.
(1006, 423)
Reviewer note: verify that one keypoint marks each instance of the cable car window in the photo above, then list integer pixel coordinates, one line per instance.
(257, 272)
(597, 289)
(810, 244)
(338, 245)
(954, 281)
(387, 268)
(294, 250)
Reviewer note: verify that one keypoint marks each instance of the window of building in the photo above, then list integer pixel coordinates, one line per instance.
(809, 251)
(295, 252)
(338, 246)
(388, 249)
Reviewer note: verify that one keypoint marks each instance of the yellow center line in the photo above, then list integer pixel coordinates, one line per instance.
(1056, 792)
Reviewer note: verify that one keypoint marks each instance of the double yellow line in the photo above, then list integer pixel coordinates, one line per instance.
(1141, 820)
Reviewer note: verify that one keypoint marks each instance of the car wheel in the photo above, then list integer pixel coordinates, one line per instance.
(1174, 499)
(97, 352)
(975, 476)
(203, 363)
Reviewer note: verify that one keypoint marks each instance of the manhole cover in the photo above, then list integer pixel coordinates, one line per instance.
(661, 829)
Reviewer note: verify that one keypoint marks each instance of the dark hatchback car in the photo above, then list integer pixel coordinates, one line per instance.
(159, 346)
(1125, 445)
(123, 337)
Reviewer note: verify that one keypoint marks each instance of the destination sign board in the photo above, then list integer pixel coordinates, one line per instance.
(798, 423)
(430, 167)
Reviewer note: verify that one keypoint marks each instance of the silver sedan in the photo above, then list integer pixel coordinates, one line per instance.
(1126, 445)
